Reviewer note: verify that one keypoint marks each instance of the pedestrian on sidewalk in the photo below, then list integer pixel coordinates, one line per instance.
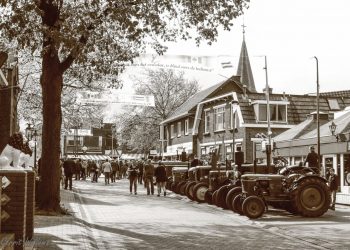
(106, 169)
(333, 186)
(114, 165)
(84, 170)
(148, 174)
(69, 168)
(132, 175)
(78, 168)
(140, 167)
(160, 174)
(94, 171)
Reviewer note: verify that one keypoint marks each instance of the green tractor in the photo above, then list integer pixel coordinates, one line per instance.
(202, 183)
(191, 182)
(295, 189)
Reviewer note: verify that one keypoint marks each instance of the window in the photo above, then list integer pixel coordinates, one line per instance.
(333, 104)
(206, 121)
(172, 131)
(186, 126)
(219, 118)
(278, 111)
(233, 116)
(178, 129)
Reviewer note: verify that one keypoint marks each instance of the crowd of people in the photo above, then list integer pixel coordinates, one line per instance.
(137, 171)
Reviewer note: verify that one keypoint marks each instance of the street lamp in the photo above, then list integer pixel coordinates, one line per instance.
(32, 134)
(84, 148)
(332, 128)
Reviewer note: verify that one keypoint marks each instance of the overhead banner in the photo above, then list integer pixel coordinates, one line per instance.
(90, 97)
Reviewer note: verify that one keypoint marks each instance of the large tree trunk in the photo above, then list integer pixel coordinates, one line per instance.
(51, 82)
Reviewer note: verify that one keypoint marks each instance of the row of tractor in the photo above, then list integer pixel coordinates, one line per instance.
(296, 189)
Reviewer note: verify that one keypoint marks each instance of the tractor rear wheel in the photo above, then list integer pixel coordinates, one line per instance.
(231, 195)
(237, 204)
(221, 196)
(214, 199)
(199, 192)
(311, 197)
(180, 187)
(253, 207)
(189, 189)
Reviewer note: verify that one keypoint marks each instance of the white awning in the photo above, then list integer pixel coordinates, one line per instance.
(90, 157)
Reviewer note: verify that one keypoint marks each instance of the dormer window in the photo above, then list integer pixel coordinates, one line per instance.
(278, 111)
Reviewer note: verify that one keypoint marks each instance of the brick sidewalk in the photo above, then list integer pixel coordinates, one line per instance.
(95, 225)
(62, 232)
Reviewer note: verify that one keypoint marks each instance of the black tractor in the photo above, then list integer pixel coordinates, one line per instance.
(296, 189)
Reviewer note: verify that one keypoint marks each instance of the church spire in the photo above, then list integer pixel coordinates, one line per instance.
(244, 70)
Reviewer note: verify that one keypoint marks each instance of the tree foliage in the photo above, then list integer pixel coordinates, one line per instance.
(170, 89)
(89, 40)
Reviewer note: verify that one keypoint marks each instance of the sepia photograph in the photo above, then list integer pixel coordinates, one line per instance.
(174, 124)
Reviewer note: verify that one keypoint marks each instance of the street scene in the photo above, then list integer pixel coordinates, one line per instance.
(114, 219)
(133, 124)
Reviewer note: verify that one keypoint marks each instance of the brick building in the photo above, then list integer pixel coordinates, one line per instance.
(206, 121)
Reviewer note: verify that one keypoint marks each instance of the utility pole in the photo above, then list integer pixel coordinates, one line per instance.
(318, 120)
(268, 146)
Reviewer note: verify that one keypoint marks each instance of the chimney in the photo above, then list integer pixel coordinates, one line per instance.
(270, 90)
(244, 90)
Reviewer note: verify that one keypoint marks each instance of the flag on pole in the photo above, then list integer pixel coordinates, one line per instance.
(226, 64)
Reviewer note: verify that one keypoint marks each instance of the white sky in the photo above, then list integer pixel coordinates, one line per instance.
(290, 33)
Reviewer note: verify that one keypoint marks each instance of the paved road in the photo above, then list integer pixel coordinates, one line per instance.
(114, 219)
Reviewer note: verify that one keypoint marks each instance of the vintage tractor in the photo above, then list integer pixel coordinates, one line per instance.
(303, 193)
(191, 182)
(217, 179)
(179, 179)
(169, 165)
(202, 183)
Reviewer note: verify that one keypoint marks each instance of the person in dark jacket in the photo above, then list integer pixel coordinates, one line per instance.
(333, 186)
(148, 174)
(133, 172)
(312, 159)
(68, 168)
(160, 174)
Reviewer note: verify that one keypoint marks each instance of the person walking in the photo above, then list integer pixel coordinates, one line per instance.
(140, 167)
(106, 168)
(94, 171)
(84, 170)
(333, 186)
(78, 169)
(68, 168)
(160, 174)
(132, 175)
(312, 160)
(148, 174)
(114, 165)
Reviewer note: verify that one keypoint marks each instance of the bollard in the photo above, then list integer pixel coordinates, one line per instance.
(30, 203)
(16, 206)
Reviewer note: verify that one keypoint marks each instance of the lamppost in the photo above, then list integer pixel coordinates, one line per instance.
(31, 133)
(333, 128)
